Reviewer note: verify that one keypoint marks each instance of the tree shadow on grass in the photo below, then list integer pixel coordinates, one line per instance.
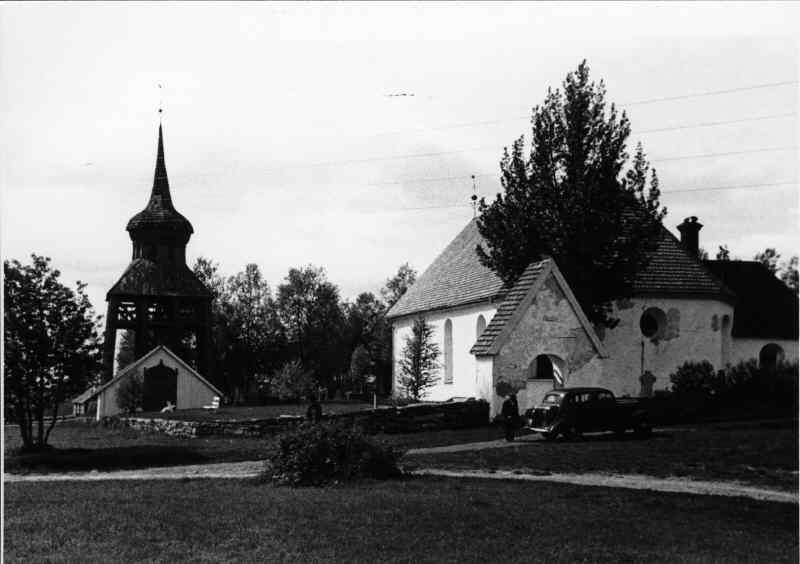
(102, 459)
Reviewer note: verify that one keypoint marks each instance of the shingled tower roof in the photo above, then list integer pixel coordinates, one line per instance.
(159, 235)
(159, 213)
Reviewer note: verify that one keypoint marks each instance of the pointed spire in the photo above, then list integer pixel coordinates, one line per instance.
(160, 180)
(160, 213)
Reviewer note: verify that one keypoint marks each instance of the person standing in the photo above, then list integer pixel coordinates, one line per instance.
(314, 411)
(510, 413)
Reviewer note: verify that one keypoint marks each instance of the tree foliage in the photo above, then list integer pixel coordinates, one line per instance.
(308, 306)
(572, 200)
(292, 381)
(130, 394)
(419, 360)
(51, 342)
(255, 333)
(248, 338)
(788, 273)
(723, 253)
(397, 285)
(769, 258)
(785, 271)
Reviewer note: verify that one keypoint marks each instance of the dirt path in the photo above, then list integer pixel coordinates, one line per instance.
(250, 469)
(627, 481)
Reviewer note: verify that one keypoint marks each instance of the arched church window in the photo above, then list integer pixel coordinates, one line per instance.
(448, 352)
(480, 327)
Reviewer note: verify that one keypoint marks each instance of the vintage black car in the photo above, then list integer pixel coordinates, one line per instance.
(572, 411)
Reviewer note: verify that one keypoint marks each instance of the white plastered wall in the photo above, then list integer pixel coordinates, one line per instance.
(471, 378)
(694, 332)
(745, 349)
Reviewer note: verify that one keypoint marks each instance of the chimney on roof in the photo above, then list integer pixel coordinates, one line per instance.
(690, 235)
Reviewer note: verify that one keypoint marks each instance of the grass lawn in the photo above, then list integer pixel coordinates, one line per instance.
(88, 446)
(419, 520)
(765, 454)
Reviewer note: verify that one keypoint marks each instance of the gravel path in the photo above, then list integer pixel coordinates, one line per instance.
(250, 469)
(627, 481)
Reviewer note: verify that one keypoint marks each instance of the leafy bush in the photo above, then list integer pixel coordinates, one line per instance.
(130, 394)
(317, 455)
(695, 379)
(748, 381)
(292, 381)
(743, 383)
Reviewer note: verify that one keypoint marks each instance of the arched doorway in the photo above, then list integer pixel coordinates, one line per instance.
(547, 367)
(770, 356)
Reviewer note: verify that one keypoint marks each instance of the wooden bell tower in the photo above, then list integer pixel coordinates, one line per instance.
(158, 297)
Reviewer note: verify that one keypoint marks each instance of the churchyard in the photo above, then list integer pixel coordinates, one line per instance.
(425, 519)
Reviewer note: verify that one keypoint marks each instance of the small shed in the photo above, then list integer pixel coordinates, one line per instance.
(165, 379)
(86, 403)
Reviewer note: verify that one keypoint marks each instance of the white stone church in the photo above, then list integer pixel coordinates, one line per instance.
(534, 336)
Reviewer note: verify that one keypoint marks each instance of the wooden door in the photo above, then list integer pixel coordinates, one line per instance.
(160, 387)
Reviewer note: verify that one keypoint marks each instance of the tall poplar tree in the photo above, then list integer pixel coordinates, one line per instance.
(571, 198)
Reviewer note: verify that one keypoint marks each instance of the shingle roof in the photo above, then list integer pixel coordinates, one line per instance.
(455, 278)
(672, 270)
(147, 278)
(87, 395)
(159, 212)
(134, 366)
(765, 308)
(509, 305)
(519, 299)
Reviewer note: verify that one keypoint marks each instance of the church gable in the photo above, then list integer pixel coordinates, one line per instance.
(542, 294)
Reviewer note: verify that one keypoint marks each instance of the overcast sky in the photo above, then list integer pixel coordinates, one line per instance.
(287, 143)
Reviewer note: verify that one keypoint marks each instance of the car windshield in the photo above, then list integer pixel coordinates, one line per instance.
(552, 399)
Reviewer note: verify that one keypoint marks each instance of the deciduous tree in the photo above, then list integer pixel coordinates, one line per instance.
(309, 308)
(571, 199)
(788, 273)
(769, 258)
(398, 284)
(51, 341)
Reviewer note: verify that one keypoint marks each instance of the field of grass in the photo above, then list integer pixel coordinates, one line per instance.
(88, 446)
(764, 454)
(419, 520)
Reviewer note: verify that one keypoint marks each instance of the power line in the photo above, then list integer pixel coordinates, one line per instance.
(632, 103)
(712, 93)
(494, 148)
(701, 189)
(655, 161)
(716, 123)
(735, 187)
(707, 155)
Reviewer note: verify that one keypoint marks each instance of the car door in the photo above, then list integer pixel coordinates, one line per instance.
(604, 410)
(583, 411)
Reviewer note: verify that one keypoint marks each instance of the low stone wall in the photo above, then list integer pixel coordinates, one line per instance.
(407, 419)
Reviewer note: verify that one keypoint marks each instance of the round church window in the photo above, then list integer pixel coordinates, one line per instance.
(653, 322)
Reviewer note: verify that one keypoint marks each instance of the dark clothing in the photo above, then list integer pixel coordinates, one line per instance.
(314, 412)
(510, 413)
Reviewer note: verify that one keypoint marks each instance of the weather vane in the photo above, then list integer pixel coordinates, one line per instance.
(474, 198)
(160, 101)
